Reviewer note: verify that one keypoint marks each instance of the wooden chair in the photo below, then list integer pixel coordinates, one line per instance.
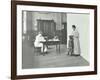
(37, 50)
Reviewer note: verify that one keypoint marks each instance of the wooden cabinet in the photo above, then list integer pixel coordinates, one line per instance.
(48, 27)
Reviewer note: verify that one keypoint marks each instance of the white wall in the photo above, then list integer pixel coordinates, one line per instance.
(82, 24)
(5, 41)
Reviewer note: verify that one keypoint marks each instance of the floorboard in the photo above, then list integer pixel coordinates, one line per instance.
(53, 58)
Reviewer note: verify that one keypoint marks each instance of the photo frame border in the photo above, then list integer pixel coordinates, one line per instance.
(14, 39)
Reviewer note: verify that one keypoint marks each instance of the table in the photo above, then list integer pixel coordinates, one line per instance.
(52, 42)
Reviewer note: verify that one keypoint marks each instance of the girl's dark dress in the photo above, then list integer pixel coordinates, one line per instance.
(70, 45)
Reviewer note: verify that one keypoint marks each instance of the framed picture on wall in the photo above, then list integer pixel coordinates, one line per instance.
(52, 39)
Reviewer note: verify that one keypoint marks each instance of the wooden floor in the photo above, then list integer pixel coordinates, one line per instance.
(53, 58)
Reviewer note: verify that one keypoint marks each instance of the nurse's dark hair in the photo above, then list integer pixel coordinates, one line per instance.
(73, 26)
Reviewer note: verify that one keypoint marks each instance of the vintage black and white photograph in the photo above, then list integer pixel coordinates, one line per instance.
(54, 39)
(51, 40)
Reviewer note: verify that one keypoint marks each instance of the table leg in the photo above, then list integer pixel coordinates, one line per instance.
(59, 47)
(56, 47)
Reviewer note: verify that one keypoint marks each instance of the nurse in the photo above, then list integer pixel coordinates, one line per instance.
(38, 43)
(75, 34)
